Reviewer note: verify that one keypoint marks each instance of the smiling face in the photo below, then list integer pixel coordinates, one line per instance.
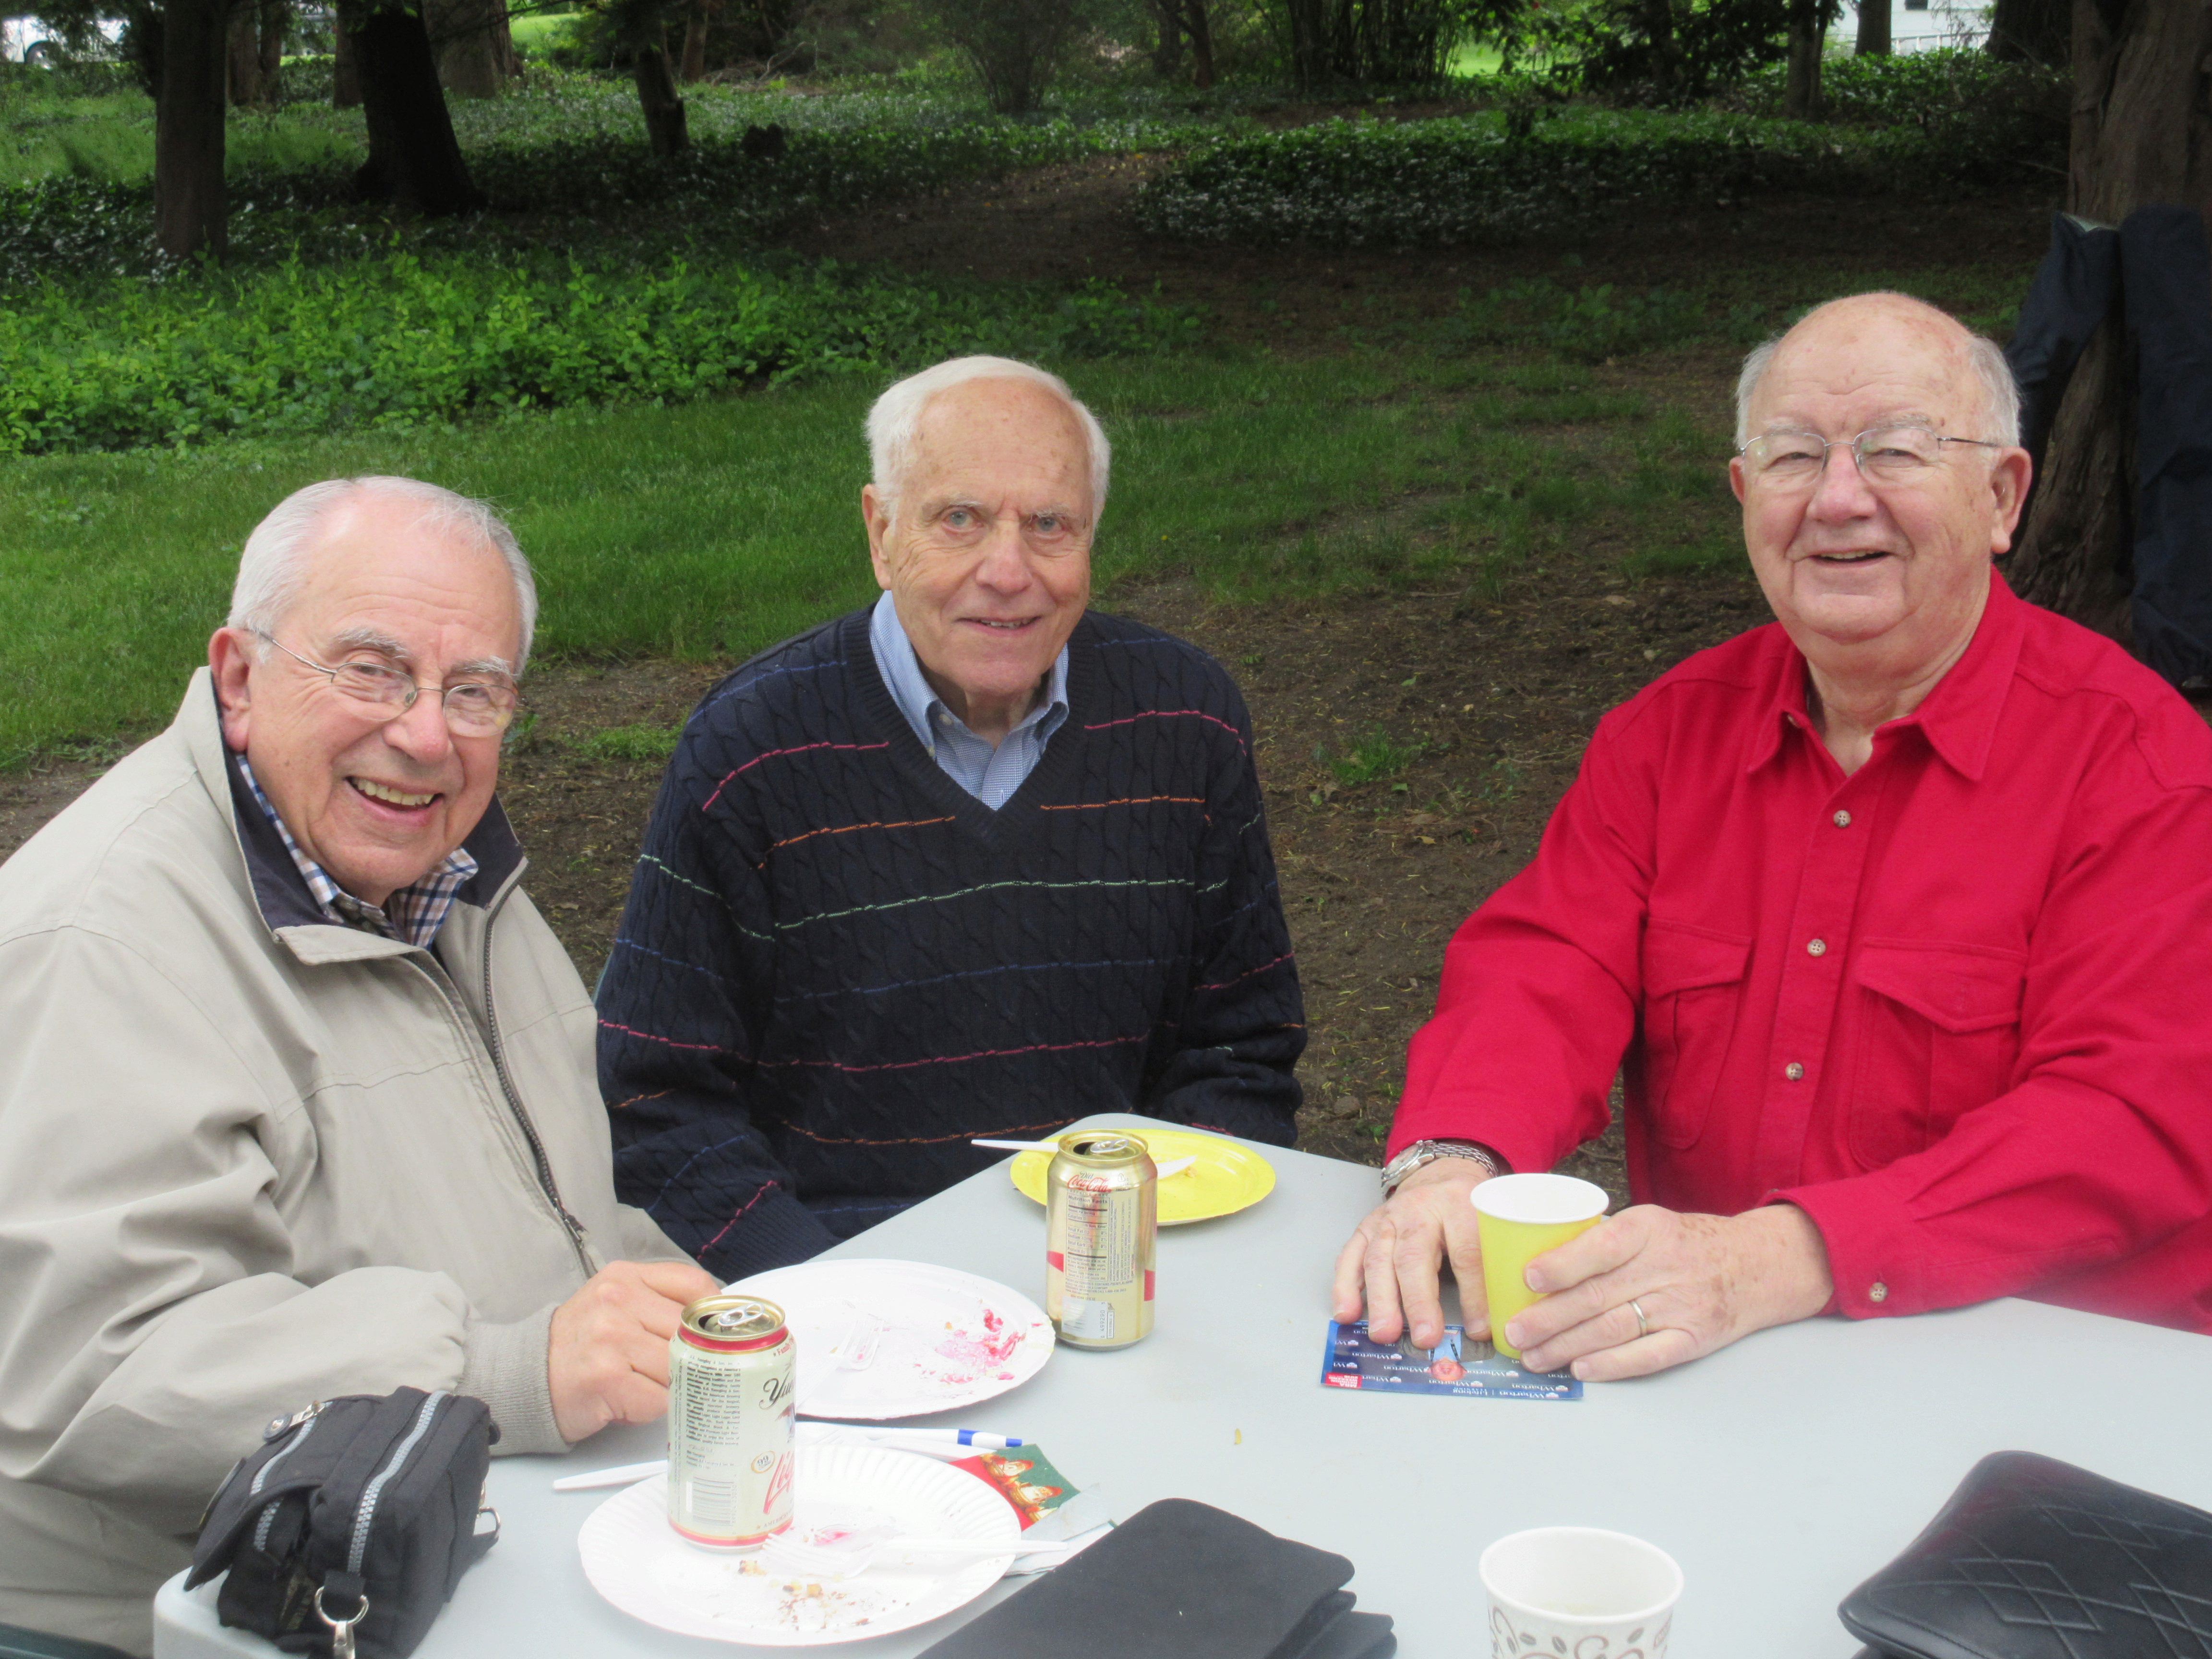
(1882, 582)
(986, 548)
(378, 804)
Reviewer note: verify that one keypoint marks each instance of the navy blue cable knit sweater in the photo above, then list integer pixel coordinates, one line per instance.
(836, 966)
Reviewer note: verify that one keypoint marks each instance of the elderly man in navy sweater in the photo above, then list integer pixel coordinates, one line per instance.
(974, 862)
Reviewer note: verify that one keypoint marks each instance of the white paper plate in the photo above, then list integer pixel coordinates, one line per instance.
(636, 1561)
(942, 1339)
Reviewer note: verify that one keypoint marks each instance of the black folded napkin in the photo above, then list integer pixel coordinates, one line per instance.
(2032, 1559)
(1181, 1580)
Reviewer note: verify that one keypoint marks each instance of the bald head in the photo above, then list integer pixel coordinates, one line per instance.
(1865, 334)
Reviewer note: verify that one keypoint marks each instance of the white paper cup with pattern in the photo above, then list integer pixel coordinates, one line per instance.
(1579, 1593)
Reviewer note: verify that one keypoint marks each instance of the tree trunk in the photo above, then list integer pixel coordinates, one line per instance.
(1196, 24)
(190, 206)
(242, 54)
(2141, 134)
(1808, 31)
(1167, 50)
(657, 95)
(1308, 20)
(276, 24)
(695, 20)
(465, 34)
(1666, 45)
(143, 39)
(414, 161)
(345, 64)
(2032, 31)
(1874, 28)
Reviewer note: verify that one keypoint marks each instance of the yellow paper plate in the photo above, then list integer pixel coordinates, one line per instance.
(1226, 1178)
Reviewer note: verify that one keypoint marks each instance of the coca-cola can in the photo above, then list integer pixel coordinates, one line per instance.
(730, 1399)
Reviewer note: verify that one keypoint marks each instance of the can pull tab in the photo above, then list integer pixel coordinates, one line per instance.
(341, 1629)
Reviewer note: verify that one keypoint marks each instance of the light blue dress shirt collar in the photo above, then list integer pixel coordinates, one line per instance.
(991, 774)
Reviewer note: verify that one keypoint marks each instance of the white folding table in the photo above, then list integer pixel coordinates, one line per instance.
(1779, 1472)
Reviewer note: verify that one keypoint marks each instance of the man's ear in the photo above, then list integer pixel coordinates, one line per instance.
(2008, 481)
(876, 513)
(1735, 476)
(231, 658)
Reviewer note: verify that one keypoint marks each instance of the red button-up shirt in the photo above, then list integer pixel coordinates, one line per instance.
(1957, 1006)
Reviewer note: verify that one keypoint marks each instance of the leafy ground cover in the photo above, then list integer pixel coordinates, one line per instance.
(410, 339)
(562, 163)
(1480, 178)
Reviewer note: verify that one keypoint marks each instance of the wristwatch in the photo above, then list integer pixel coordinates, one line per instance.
(1428, 1151)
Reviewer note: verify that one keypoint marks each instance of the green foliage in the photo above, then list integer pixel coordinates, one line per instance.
(1925, 90)
(631, 743)
(565, 164)
(1611, 46)
(1472, 179)
(408, 340)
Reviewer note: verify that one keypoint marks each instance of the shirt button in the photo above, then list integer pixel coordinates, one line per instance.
(1843, 820)
(1819, 947)
(1877, 1292)
(1793, 1071)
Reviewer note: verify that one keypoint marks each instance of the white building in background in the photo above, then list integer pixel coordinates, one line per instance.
(21, 38)
(1919, 25)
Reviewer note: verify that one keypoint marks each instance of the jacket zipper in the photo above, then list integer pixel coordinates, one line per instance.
(435, 971)
(365, 1516)
(514, 1100)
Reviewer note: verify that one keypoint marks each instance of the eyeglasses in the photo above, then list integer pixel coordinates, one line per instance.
(1894, 455)
(473, 708)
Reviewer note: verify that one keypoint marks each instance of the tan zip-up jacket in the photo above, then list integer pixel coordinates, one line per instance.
(250, 1158)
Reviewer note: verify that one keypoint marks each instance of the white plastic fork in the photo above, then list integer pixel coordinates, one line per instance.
(1174, 1166)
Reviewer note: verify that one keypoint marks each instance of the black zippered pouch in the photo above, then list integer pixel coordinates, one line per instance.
(346, 1532)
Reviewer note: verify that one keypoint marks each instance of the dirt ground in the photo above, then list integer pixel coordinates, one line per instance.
(1498, 695)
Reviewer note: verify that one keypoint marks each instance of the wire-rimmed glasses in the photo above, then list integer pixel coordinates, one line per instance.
(473, 708)
(1900, 453)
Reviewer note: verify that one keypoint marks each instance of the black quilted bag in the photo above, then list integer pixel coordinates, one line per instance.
(347, 1531)
(2033, 1558)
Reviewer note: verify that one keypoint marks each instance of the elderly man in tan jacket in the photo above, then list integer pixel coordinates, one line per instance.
(296, 1092)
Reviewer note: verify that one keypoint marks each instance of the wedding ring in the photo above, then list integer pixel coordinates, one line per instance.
(1642, 1325)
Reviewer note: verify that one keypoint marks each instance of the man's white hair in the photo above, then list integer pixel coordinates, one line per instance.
(273, 569)
(2000, 391)
(894, 421)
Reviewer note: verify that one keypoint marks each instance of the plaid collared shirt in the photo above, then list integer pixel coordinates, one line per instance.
(412, 914)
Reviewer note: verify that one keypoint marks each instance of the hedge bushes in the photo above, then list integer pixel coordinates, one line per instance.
(408, 340)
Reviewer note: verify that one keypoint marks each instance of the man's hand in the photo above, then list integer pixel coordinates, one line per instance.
(1394, 1256)
(1702, 1281)
(607, 1358)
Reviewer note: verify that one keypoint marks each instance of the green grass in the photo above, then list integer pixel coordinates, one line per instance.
(718, 527)
(1375, 757)
(631, 743)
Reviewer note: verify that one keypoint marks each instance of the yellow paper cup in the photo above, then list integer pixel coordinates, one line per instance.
(1521, 1217)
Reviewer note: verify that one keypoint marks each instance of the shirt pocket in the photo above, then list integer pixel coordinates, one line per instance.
(1940, 1037)
(1692, 987)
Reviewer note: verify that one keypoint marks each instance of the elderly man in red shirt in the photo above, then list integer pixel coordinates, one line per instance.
(1900, 910)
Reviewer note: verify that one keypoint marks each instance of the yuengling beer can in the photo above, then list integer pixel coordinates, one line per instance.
(1101, 1221)
(731, 1370)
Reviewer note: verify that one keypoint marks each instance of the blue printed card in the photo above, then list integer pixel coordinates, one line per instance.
(1455, 1365)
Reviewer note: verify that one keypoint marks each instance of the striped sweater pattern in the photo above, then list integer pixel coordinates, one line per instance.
(836, 966)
